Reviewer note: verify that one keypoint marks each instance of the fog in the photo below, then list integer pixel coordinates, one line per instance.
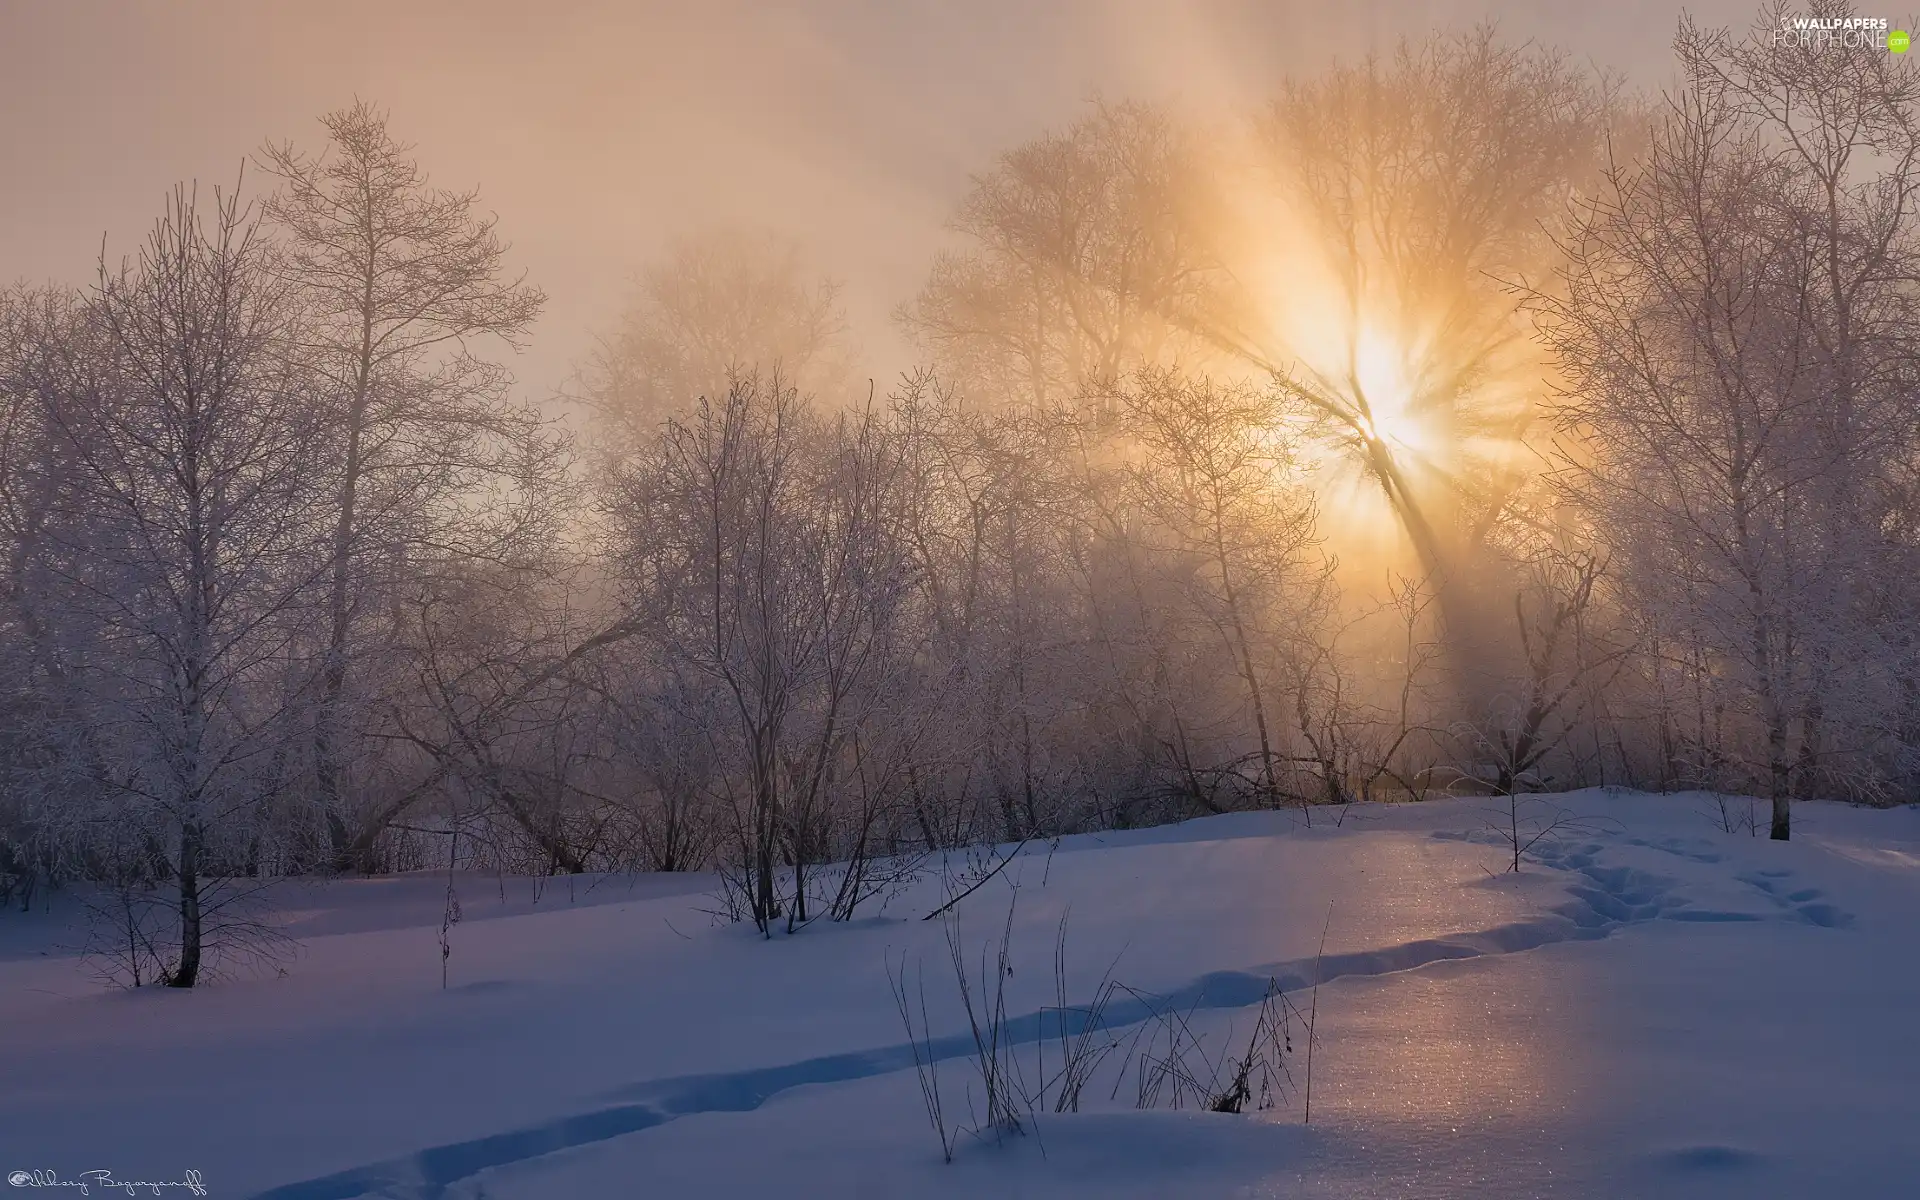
(1270, 407)
(599, 130)
(768, 467)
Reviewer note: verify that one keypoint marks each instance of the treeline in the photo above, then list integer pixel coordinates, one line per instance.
(1458, 422)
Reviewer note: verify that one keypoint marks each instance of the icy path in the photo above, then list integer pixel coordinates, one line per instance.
(1484, 1035)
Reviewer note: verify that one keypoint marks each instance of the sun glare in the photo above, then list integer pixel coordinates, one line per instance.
(1384, 396)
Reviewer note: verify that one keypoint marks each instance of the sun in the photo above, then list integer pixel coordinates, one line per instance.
(1384, 397)
(1385, 451)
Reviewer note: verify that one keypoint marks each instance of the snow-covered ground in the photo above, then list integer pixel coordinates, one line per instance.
(1652, 1007)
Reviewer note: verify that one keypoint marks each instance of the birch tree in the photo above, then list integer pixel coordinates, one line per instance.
(1847, 125)
(186, 533)
(1696, 399)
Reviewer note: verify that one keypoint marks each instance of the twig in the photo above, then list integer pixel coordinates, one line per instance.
(450, 914)
(983, 880)
(1313, 1012)
(926, 1064)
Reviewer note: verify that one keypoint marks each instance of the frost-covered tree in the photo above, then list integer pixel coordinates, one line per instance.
(1738, 341)
(1088, 252)
(403, 286)
(717, 304)
(1230, 531)
(186, 535)
(759, 538)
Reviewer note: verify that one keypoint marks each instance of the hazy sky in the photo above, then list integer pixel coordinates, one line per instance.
(598, 128)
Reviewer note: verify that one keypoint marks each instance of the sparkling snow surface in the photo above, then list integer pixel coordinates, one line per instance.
(1652, 1007)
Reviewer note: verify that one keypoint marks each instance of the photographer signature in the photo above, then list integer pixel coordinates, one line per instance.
(84, 1183)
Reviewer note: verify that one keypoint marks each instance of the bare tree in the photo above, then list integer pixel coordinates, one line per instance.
(187, 536)
(1848, 127)
(50, 347)
(403, 282)
(1431, 182)
(1566, 663)
(1213, 483)
(759, 537)
(1088, 253)
(721, 302)
(1698, 396)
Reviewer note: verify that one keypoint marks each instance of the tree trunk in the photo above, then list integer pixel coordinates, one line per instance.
(1781, 775)
(327, 765)
(187, 972)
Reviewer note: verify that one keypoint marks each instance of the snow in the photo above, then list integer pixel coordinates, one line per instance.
(1652, 1007)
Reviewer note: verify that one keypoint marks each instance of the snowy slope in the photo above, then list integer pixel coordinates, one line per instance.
(1652, 1007)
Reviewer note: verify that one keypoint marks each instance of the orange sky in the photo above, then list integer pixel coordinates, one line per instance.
(597, 129)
